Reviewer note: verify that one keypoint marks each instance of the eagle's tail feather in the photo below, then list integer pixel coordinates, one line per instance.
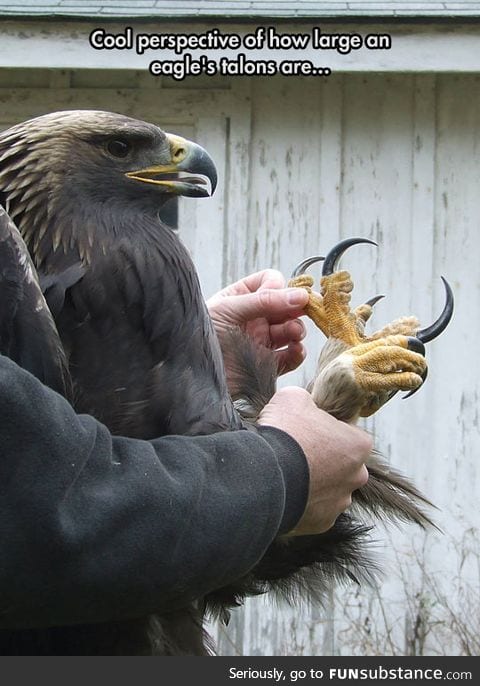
(390, 494)
(304, 567)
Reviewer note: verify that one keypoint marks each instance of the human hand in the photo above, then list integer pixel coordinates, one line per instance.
(265, 310)
(336, 453)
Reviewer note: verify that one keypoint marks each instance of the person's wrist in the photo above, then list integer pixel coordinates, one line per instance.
(296, 474)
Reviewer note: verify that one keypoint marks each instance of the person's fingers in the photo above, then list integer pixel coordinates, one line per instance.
(282, 334)
(266, 279)
(335, 452)
(274, 305)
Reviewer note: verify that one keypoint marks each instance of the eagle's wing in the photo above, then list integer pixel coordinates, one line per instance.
(28, 334)
(55, 285)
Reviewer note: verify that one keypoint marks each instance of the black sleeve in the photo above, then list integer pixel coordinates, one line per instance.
(98, 528)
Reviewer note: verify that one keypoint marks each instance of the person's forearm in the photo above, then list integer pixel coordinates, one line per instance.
(96, 528)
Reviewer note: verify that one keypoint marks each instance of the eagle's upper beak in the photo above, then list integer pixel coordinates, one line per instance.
(185, 173)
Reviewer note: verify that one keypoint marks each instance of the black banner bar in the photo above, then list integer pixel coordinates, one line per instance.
(239, 671)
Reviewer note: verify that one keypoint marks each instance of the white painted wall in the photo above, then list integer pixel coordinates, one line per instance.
(395, 159)
(391, 157)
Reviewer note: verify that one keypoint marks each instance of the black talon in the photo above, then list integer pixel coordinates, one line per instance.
(300, 268)
(431, 332)
(337, 251)
(373, 301)
(416, 345)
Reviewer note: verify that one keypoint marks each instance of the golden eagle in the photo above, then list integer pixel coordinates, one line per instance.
(106, 308)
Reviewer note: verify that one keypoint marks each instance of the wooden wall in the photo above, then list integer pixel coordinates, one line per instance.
(302, 163)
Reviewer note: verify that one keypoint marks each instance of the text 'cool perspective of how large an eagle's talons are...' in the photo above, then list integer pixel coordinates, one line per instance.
(101, 301)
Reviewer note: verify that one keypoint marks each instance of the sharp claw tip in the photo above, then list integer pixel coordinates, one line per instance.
(375, 300)
(410, 393)
(337, 251)
(430, 332)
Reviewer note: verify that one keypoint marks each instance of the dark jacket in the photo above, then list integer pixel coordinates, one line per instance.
(95, 527)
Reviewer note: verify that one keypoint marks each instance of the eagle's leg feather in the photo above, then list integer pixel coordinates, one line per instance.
(405, 326)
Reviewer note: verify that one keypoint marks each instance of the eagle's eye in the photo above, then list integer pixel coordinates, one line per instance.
(119, 147)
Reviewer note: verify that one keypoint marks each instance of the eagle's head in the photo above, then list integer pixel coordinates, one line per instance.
(72, 179)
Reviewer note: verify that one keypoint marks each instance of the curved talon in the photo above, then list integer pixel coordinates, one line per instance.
(431, 332)
(373, 301)
(337, 251)
(300, 268)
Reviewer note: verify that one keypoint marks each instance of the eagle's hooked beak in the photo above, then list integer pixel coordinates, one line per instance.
(185, 173)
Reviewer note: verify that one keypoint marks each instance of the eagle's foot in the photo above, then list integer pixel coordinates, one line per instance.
(302, 281)
(359, 380)
(331, 311)
(314, 308)
(356, 374)
(343, 323)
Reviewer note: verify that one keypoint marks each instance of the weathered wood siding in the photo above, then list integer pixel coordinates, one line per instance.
(395, 158)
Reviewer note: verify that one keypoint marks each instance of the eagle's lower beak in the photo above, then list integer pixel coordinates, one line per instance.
(190, 170)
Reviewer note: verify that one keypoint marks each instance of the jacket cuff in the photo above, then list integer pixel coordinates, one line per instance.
(295, 471)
